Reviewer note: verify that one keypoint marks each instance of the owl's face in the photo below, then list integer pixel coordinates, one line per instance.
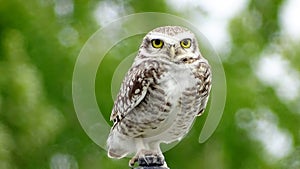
(173, 43)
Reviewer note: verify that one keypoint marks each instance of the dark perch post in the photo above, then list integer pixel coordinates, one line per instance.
(150, 162)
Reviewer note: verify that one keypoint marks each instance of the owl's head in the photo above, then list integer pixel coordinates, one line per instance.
(174, 43)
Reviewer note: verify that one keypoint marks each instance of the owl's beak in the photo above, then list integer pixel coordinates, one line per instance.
(172, 51)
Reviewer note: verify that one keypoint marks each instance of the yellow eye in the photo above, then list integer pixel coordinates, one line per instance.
(185, 43)
(157, 43)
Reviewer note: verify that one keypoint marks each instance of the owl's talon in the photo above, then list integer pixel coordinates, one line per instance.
(136, 158)
(133, 161)
(147, 158)
(151, 160)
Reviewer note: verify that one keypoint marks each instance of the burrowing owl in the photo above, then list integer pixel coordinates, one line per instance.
(164, 90)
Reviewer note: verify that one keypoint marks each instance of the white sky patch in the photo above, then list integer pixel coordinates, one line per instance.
(68, 36)
(289, 19)
(216, 32)
(277, 72)
(223, 9)
(63, 7)
(262, 126)
(276, 142)
(211, 17)
(63, 161)
(108, 11)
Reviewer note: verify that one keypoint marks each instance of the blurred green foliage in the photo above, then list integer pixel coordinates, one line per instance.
(39, 44)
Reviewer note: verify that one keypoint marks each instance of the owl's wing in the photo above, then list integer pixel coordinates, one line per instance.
(133, 89)
(203, 74)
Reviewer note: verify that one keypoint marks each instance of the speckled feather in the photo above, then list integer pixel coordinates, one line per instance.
(134, 88)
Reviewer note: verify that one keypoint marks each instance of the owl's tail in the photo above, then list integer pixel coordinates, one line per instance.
(119, 146)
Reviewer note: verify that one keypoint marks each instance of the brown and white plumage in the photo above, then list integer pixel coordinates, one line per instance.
(165, 89)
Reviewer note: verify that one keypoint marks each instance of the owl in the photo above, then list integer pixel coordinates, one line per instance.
(165, 89)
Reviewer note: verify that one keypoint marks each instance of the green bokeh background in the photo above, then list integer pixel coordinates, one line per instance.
(38, 125)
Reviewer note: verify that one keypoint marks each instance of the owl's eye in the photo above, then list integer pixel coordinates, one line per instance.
(157, 43)
(185, 43)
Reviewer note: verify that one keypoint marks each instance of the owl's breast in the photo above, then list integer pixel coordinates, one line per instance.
(175, 95)
(168, 108)
(177, 80)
